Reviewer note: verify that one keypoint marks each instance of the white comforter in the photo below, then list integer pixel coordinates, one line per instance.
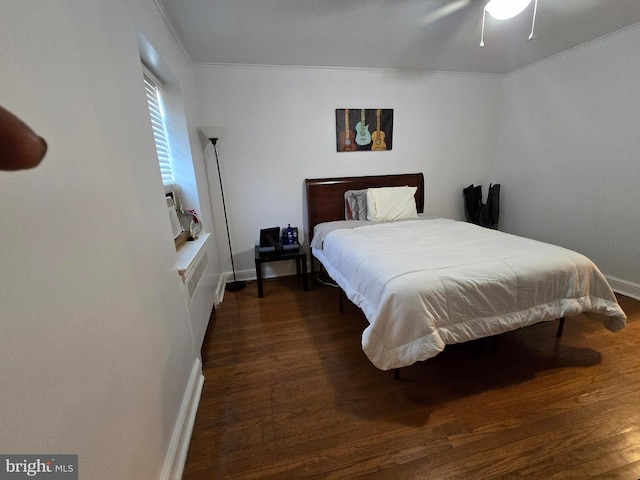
(423, 284)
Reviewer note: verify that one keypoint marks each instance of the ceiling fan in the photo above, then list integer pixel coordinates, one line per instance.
(498, 9)
(506, 9)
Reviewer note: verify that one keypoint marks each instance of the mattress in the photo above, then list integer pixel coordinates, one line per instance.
(429, 282)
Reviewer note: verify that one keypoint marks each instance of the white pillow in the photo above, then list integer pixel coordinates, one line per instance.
(385, 204)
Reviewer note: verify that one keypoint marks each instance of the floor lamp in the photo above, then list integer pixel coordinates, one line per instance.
(212, 135)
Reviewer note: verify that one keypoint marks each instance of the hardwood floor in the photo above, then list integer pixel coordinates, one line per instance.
(289, 394)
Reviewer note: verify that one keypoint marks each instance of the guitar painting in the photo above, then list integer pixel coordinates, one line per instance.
(363, 137)
(358, 137)
(346, 137)
(378, 136)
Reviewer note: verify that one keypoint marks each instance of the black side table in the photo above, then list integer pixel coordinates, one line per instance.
(299, 255)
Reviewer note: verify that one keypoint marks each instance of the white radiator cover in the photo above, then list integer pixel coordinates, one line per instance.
(195, 268)
(193, 281)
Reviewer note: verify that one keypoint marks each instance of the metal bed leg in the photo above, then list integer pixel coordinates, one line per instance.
(560, 327)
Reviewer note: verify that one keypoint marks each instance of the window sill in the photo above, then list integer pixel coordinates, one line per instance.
(190, 253)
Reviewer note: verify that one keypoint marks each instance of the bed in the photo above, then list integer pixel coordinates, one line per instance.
(425, 282)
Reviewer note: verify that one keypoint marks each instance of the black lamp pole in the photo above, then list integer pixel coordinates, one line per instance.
(235, 285)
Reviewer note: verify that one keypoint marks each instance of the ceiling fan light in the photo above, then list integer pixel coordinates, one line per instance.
(506, 9)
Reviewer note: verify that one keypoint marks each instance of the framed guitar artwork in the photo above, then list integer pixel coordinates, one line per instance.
(364, 129)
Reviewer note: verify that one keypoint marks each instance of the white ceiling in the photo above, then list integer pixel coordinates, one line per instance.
(433, 35)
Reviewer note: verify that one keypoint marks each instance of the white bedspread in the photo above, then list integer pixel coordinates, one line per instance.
(423, 284)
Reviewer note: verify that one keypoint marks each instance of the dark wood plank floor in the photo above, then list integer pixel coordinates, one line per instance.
(289, 394)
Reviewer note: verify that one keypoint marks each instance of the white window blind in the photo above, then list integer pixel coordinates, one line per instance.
(159, 129)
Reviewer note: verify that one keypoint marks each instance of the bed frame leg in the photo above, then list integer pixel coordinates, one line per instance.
(560, 327)
(396, 374)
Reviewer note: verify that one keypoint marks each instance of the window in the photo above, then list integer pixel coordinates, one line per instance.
(168, 123)
(158, 123)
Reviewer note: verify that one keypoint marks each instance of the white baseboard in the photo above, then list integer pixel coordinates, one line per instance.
(624, 287)
(179, 445)
(241, 275)
(249, 275)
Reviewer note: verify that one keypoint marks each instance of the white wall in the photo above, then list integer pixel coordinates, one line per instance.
(569, 154)
(96, 349)
(280, 129)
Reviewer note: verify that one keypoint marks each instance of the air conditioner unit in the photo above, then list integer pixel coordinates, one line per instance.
(174, 206)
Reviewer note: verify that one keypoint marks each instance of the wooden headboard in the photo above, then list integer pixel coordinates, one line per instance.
(325, 196)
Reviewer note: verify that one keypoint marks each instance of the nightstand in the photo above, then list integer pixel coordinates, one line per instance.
(299, 255)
